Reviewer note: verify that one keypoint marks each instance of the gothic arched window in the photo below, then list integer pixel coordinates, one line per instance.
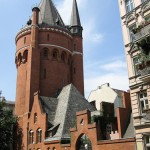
(55, 54)
(25, 56)
(45, 53)
(19, 58)
(63, 56)
(31, 137)
(39, 135)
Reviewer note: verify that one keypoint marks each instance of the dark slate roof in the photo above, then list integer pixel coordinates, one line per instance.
(68, 103)
(75, 18)
(49, 14)
(49, 106)
(130, 129)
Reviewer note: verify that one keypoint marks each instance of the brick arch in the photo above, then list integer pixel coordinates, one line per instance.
(45, 52)
(25, 56)
(19, 59)
(63, 56)
(79, 145)
(69, 59)
(55, 54)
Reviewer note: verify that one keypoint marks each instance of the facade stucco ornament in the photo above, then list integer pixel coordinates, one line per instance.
(130, 17)
(145, 7)
(147, 115)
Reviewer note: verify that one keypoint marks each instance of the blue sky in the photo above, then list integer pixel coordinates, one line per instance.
(104, 56)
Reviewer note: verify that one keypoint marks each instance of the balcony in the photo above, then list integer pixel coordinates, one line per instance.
(141, 32)
(143, 67)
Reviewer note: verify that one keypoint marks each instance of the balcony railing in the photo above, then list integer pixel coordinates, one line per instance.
(141, 32)
(143, 66)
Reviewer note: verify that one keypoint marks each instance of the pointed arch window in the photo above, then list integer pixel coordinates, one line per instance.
(25, 56)
(39, 135)
(55, 54)
(44, 74)
(48, 37)
(31, 137)
(19, 58)
(25, 39)
(63, 56)
(45, 53)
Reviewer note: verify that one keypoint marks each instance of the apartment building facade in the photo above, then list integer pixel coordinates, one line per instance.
(135, 22)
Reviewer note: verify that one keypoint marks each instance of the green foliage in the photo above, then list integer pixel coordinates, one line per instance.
(7, 123)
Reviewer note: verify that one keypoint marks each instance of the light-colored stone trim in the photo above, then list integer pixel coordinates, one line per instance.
(73, 53)
(24, 47)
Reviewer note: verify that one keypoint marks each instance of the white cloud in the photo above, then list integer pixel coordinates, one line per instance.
(114, 66)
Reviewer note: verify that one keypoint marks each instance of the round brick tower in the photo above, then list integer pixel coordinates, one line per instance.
(49, 55)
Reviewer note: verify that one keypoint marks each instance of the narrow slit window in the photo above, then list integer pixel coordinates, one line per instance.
(25, 40)
(48, 37)
(44, 74)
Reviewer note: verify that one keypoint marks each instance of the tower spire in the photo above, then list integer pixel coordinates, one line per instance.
(75, 24)
(49, 14)
(75, 18)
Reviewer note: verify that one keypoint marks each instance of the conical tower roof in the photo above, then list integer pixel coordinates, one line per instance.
(75, 18)
(49, 14)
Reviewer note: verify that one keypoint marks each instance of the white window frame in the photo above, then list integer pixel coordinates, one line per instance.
(147, 142)
(129, 5)
(143, 99)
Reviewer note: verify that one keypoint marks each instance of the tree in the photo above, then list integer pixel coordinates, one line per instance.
(7, 123)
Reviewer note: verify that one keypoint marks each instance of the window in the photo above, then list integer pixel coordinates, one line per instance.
(129, 5)
(35, 117)
(45, 53)
(44, 74)
(54, 54)
(144, 0)
(31, 137)
(54, 148)
(143, 102)
(25, 40)
(74, 46)
(131, 34)
(63, 56)
(109, 128)
(19, 58)
(48, 37)
(147, 142)
(74, 70)
(25, 56)
(48, 148)
(135, 63)
(39, 135)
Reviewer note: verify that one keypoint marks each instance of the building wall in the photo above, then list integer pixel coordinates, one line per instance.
(105, 93)
(137, 86)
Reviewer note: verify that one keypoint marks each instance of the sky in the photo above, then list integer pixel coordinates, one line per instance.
(104, 54)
